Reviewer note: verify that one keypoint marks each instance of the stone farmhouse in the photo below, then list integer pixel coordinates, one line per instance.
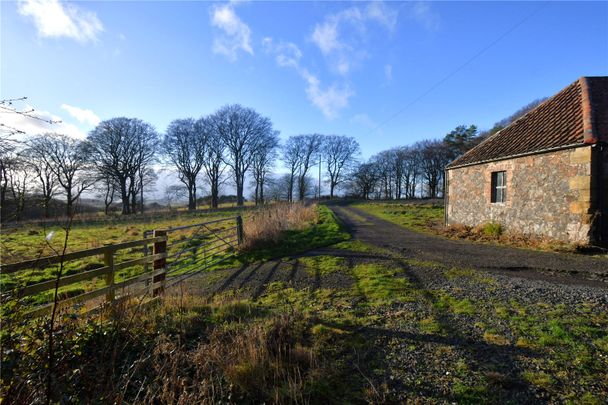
(545, 174)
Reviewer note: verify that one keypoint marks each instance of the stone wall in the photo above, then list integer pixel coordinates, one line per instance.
(547, 194)
(599, 193)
